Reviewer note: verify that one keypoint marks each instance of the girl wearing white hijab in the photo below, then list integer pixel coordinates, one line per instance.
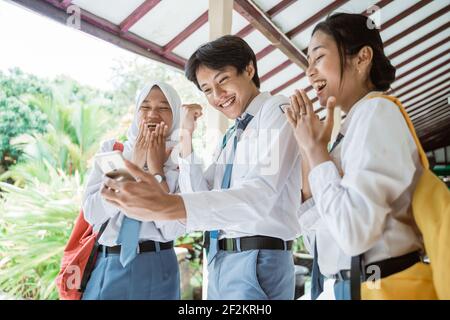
(150, 269)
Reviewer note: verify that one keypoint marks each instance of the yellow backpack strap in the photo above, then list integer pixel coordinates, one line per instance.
(423, 156)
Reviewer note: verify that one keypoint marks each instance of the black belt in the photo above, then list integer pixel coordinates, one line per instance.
(386, 267)
(254, 243)
(146, 246)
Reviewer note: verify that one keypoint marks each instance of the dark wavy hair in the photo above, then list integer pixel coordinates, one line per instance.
(351, 32)
(220, 53)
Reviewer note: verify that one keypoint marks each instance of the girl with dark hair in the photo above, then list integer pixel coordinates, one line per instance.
(356, 198)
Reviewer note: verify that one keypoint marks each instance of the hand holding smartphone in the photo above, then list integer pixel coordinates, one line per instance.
(113, 165)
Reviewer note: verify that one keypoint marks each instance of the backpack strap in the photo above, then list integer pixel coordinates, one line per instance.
(357, 263)
(423, 156)
(92, 258)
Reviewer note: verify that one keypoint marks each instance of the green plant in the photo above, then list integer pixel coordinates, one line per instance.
(35, 223)
(193, 242)
(16, 118)
(17, 114)
(299, 246)
(71, 139)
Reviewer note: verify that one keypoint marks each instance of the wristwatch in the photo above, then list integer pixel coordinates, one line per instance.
(159, 178)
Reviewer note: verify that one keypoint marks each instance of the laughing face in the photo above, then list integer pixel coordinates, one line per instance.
(155, 108)
(324, 70)
(226, 90)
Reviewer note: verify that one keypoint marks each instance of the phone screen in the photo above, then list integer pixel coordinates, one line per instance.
(113, 166)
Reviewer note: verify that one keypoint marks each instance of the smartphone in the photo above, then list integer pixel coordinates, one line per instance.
(113, 165)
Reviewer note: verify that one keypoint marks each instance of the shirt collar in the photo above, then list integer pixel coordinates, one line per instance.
(346, 123)
(255, 104)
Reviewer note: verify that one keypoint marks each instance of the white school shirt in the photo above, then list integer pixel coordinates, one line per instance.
(97, 210)
(265, 182)
(368, 209)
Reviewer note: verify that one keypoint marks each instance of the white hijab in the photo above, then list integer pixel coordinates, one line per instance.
(175, 104)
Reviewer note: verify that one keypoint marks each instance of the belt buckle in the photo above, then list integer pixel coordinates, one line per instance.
(229, 244)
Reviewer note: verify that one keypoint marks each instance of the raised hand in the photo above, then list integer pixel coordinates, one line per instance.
(157, 153)
(312, 135)
(191, 112)
(141, 145)
(309, 131)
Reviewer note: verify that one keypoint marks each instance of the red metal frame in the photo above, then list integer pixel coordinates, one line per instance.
(271, 13)
(183, 35)
(137, 14)
(420, 84)
(416, 26)
(249, 11)
(421, 53)
(166, 57)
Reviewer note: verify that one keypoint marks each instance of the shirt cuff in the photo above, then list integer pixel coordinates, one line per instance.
(308, 215)
(321, 177)
(306, 205)
(198, 213)
(110, 209)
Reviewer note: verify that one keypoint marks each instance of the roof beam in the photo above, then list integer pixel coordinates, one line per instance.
(444, 27)
(423, 64)
(287, 84)
(420, 84)
(431, 117)
(431, 95)
(436, 98)
(416, 26)
(437, 109)
(271, 13)
(137, 14)
(183, 35)
(304, 25)
(441, 140)
(315, 18)
(434, 121)
(440, 106)
(404, 14)
(418, 94)
(263, 23)
(105, 30)
(420, 76)
(429, 107)
(435, 129)
(421, 53)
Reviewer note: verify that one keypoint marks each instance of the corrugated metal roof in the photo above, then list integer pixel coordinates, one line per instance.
(416, 36)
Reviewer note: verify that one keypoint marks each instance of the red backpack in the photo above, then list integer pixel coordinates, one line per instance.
(79, 256)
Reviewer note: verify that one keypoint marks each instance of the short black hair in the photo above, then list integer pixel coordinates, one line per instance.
(220, 53)
(352, 32)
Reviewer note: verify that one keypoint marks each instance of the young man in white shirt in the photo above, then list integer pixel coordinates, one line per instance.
(248, 198)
